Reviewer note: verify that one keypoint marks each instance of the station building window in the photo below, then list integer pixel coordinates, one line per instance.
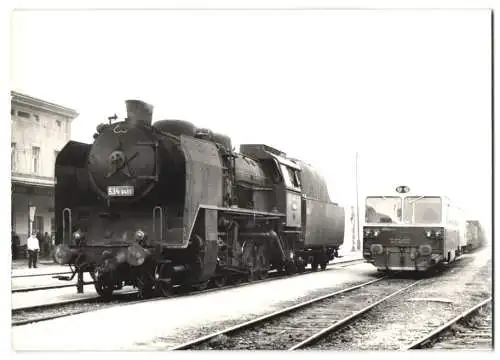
(23, 114)
(36, 159)
(13, 156)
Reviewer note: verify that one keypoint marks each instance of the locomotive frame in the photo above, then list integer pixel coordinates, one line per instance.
(183, 209)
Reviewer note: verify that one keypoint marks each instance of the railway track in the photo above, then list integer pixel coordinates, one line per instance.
(459, 334)
(36, 275)
(291, 328)
(48, 287)
(60, 286)
(45, 312)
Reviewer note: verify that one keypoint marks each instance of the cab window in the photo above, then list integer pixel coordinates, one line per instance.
(291, 177)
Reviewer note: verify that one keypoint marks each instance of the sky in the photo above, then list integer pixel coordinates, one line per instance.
(410, 91)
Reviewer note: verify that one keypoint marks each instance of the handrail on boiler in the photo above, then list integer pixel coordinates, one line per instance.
(66, 235)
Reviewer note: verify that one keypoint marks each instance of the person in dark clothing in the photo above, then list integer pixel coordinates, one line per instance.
(40, 242)
(46, 244)
(15, 242)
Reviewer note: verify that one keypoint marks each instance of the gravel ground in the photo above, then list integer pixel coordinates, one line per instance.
(287, 330)
(187, 334)
(475, 333)
(407, 318)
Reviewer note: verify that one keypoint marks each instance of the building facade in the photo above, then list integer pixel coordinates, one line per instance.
(40, 129)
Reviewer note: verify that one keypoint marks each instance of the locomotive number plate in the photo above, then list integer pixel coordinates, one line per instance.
(400, 240)
(120, 191)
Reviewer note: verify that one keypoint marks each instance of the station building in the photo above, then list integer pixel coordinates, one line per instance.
(40, 129)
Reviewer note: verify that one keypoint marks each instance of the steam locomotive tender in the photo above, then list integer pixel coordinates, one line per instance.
(166, 204)
(404, 232)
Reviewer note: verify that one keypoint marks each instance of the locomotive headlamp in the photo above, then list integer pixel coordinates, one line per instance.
(438, 233)
(140, 235)
(428, 233)
(78, 235)
(425, 250)
(376, 233)
(367, 232)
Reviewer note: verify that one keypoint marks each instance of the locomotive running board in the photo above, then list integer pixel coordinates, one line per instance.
(242, 211)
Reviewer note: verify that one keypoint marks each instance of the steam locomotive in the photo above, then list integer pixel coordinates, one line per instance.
(165, 204)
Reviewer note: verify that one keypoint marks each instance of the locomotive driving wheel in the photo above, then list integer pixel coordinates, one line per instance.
(145, 285)
(323, 259)
(324, 264)
(301, 265)
(315, 264)
(219, 281)
(262, 263)
(163, 283)
(103, 284)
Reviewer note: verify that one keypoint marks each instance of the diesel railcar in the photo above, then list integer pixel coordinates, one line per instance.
(166, 204)
(405, 232)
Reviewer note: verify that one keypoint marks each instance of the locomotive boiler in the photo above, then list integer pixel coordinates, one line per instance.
(166, 204)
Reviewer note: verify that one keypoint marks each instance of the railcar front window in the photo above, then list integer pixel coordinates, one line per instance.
(422, 210)
(383, 209)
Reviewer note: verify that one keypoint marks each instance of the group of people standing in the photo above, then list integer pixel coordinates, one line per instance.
(36, 245)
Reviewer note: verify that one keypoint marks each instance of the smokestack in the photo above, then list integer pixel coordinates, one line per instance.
(139, 112)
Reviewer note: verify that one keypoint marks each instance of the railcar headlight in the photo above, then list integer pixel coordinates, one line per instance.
(77, 235)
(425, 250)
(367, 232)
(376, 233)
(428, 233)
(438, 233)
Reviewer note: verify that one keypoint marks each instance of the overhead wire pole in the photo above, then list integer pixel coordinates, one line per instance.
(357, 206)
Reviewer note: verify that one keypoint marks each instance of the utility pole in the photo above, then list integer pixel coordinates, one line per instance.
(353, 226)
(357, 205)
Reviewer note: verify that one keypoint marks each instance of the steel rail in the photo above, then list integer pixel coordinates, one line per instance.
(48, 287)
(337, 325)
(45, 318)
(44, 274)
(427, 338)
(269, 316)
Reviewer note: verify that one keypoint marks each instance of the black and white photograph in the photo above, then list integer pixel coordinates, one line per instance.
(250, 176)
